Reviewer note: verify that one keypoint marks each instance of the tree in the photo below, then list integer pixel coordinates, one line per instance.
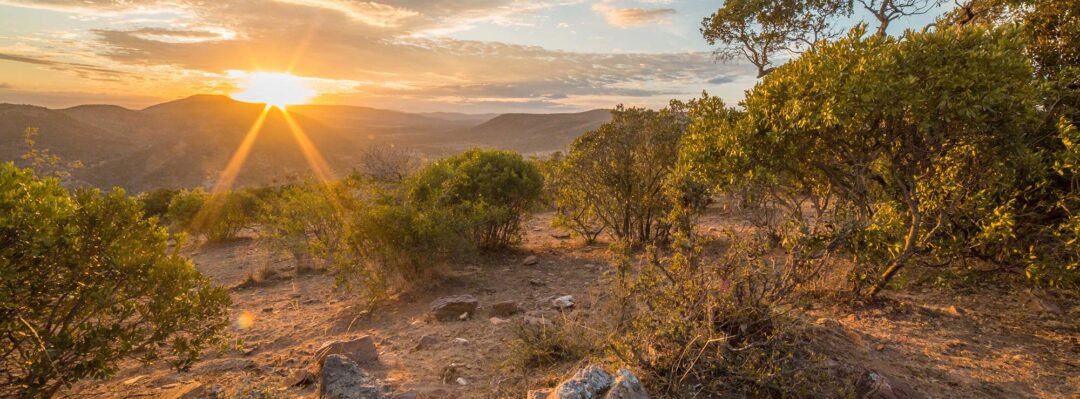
(492, 190)
(890, 133)
(156, 203)
(218, 217)
(760, 30)
(886, 11)
(87, 282)
(617, 173)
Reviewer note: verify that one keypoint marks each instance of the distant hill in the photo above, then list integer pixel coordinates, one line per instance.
(188, 142)
(535, 133)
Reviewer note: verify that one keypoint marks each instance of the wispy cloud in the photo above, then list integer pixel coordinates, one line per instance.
(625, 17)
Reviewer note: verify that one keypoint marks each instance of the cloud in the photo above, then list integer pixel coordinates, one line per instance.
(626, 17)
(722, 79)
(374, 53)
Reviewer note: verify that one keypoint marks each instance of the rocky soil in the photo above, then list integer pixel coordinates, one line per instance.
(942, 342)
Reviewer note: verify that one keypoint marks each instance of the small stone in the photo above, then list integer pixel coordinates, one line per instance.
(530, 260)
(505, 309)
(461, 381)
(879, 347)
(464, 316)
(536, 283)
(426, 342)
(955, 311)
(538, 394)
(497, 321)
(462, 341)
(563, 302)
(873, 385)
(450, 308)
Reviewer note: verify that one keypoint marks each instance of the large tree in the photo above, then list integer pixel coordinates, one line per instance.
(762, 30)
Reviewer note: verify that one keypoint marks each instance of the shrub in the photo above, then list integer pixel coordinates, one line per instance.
(217, 217)
(615, 175)
(87, 282)
(491, 191)
(718, 329)
(156, 203)
(885, 137)
(310, 221)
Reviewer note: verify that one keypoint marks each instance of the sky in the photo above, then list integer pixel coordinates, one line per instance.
(414, 55)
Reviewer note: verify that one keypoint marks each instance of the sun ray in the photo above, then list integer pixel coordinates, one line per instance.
(307, 147)
(212, 207)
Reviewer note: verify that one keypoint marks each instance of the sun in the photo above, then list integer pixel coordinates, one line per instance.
(274, 89)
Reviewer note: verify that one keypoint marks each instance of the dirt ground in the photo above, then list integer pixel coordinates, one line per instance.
(947, 343)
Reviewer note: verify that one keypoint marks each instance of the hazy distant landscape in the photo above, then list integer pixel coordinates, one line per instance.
(185, 143)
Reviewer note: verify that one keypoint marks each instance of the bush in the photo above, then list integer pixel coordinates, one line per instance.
(217, 217)
(905, 151)
(87, 282)
(156, 203)
(614, 177)
(718, 329)
(310, 221)
(491, 191)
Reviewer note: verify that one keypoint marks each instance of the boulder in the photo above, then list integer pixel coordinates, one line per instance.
(505, 309)
(360, 350)
(530, 260)
(626, 386)
(874, 385)
(588, 383)
(341, 378)
(451, 307)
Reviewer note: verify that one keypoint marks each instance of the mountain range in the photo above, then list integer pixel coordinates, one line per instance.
(188, 142)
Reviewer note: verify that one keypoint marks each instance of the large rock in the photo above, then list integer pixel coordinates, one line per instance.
(505, 309)
(593, 382)
(360, 350)
(451, 307)
(341, 378)
(626, 386)
(588, 383)
(874, 385)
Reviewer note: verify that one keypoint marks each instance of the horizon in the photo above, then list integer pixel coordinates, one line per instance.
(497, 56)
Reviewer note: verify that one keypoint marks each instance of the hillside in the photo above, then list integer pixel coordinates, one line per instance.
(535, 133)
(187, 142)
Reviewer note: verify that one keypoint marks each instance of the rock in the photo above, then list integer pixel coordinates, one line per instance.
(341, 378)
(873, 385)
(1042, 306)
(360, 350)
(955, 311)
(537, 321)
(563, 302)
(536, 283)
(588, 383)
(462, 341)
(538, 394)
(626, 386)
(303, 378)
(224, 365)
(464, 316)
(451, 307)
(497, 321)
(879, 347)
(426, 342)
(505, 309)
(530, 260)
(461, 381)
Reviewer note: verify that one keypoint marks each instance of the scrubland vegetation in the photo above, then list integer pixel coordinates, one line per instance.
(864, 158)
